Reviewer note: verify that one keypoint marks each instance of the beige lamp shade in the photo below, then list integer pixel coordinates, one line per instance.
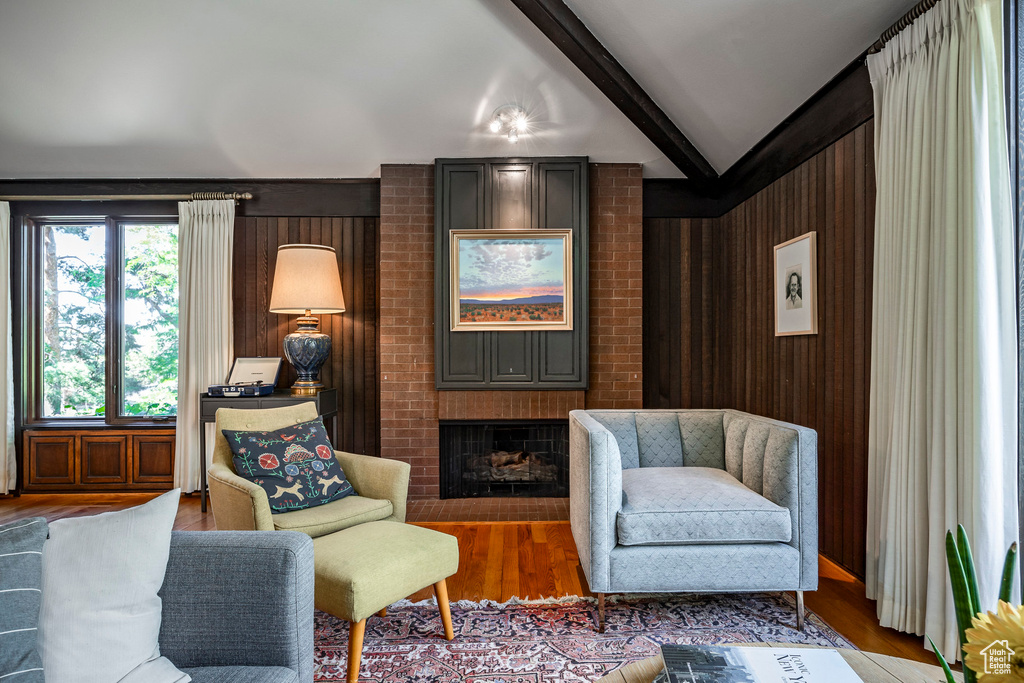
(307, 278)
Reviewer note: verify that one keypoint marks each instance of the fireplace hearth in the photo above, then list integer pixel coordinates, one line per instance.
(504, 459)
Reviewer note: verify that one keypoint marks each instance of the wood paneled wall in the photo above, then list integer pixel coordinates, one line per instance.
(352, 366)
(709, 330)
(682, 283)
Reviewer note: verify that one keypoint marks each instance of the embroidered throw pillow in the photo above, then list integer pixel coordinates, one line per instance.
(295, 465)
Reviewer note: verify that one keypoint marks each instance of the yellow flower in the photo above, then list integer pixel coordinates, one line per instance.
(995, 645)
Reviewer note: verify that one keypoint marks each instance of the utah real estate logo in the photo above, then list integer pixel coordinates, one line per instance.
(997, 658)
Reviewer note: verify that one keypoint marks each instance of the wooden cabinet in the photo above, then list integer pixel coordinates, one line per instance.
(502, 194)
(98, 460)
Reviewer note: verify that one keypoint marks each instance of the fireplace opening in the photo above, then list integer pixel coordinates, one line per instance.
(504, 459)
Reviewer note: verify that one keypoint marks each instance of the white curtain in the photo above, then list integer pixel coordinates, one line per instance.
(8, 459)
(205, 338)
(942, 438)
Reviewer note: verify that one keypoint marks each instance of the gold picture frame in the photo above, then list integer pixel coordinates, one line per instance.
(796, 286)
(510, 280)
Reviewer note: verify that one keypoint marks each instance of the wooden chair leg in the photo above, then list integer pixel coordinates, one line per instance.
(355, 648)
(441, 591)
(383, 612)
(600, 612)
(799, 610)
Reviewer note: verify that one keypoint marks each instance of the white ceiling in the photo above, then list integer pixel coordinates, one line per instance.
(728, 71)
(334, 88)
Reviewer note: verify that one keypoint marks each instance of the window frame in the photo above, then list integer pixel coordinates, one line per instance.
(1013, 44)
(32, 286)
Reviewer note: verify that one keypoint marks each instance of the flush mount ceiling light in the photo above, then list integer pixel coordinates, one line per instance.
(509, 120)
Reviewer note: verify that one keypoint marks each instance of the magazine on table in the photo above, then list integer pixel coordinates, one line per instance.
(717, 664)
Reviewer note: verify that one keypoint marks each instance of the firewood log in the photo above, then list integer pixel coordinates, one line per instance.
(503, 458)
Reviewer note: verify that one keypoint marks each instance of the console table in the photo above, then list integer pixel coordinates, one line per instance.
(326, 401)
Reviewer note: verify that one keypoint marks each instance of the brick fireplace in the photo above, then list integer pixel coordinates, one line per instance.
(411, 408)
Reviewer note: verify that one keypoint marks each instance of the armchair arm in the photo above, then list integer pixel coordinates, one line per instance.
(789, 474)
(805, 528)
(239, 598)
(379, 478)
(238, 504)
(595, 495)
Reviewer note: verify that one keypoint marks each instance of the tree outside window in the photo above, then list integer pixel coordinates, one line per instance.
(109, 319)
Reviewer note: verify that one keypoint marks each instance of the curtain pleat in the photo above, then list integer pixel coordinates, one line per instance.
(942, 428)
(8, 458)
(205, 326)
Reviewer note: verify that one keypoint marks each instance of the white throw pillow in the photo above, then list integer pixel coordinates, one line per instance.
(100, 616)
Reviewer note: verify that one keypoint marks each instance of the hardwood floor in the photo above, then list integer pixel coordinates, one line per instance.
(840, 600)
(500, 560)
(62, 505)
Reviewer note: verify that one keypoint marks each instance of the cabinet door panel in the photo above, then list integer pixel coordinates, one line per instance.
(465, 357)
(511, 197)
(463, 201)
(153, 459)
(563, 203)
(559, 195)
(460, 356)
(512, 356)
(51, 460)
(559, 352)
(103, 459)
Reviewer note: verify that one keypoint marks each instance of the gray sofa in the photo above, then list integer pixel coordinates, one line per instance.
(238, 606)
(705, 501)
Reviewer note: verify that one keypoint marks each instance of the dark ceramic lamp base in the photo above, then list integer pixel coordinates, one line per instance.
(307, 350)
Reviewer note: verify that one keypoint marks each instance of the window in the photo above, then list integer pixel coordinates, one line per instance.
(74, 318)
(107, 346)
(148, 303)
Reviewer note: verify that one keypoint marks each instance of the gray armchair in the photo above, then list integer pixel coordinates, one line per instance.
(703, 501)
(238, 606)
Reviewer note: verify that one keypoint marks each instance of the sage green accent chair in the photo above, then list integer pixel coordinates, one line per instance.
(365, 557)
(240, 505)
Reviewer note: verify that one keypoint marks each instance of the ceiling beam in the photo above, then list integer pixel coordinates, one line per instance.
(574, 39)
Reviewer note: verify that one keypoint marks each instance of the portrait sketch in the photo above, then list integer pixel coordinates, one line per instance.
(794, 288)
(796, 307)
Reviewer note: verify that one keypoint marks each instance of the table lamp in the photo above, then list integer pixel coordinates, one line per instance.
(307, 282)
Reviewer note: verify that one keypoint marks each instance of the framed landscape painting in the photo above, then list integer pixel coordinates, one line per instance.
(504, 280)
(796, 286)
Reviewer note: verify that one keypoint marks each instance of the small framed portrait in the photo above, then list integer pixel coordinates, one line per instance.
(796, 286)
(511, 280)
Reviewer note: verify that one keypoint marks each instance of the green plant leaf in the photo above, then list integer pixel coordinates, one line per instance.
(967, 560)
(1009, 569)
(942, 661)
(961, 597)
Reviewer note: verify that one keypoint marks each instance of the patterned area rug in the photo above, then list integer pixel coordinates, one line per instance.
(551, 642)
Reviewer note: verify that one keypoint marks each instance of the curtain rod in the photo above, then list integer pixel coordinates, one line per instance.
(903, 22)
(125, 197)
